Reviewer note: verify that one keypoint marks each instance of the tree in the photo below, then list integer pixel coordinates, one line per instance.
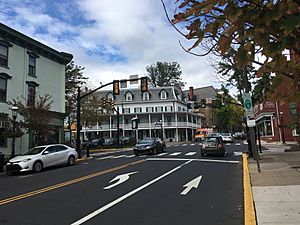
(36, 118)
(74, 78)
(252, 28)
(165, 74)
(229, 112)
(262, 88)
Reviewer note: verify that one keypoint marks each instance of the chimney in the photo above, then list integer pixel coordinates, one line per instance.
(191, 93)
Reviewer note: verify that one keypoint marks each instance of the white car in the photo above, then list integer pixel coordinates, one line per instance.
(41, 157)
(227, 137)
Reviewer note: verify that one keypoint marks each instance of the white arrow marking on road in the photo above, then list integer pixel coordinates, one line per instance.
(192, 184)
(237, 153)
(121, 178)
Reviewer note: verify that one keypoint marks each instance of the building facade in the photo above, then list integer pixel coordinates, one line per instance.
(162, 112)
(28, 69)
(277, 122)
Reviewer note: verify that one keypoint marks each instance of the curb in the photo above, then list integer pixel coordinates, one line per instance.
(249, 211)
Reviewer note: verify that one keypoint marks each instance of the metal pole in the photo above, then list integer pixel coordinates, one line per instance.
(259, 142)
(78, 127)
(282, 127)
(118, 127)
(13, 137)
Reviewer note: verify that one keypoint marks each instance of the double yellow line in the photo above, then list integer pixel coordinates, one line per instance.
(56, 186)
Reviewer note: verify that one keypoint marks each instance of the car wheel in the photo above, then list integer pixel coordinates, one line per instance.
(37, 166)
(164, 148)
(136, 153)
(71, 161)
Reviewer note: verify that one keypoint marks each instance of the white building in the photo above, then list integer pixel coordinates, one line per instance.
(29, 68)
(161, 111)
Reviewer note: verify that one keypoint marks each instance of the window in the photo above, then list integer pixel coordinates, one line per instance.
(295, 131)
(159, 109)
(149, 109)
(110, 96)
(169, 108)
(128, 97)
(146, 96)
(126, 110)
(3, 55)
(179, 109)
(138, 110)
(31, 95)
(163, 94)
(3, 89)
(32, 66)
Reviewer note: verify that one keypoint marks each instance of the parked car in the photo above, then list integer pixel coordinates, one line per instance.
(149, 145)
(215, 135)
(227, 137)
(109, 142)
(40, 157)
(212, 145)
(93, 143)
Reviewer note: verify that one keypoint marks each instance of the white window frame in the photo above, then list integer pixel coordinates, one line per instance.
(128, 97)
(146, 96)
(163, 95)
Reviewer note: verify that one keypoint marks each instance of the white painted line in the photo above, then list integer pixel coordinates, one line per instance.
(118, 156)
(184, 145)
(175, 153)
(237, 153)
(191, 153)
(129, 156)
(228, 143)
(237, 143)
(25, 176)
(192, 144)
(102, 209)
(107, 157)
(175, 145)
(196, 160)
(161, 154)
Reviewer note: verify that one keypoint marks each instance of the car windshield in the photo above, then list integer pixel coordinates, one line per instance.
(34, 151)
(147, 141)
(211, 139)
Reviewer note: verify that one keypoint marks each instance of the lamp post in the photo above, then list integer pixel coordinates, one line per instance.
(14, 112)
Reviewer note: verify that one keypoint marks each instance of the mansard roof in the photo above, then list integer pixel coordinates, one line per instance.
(173, 94)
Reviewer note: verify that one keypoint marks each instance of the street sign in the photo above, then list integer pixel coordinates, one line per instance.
(248, 104)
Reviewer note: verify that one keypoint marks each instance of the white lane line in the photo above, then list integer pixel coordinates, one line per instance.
(25, 176)
(228, 143)
(161, 154)
(237, 143)
(196, 160)
(184, 145)
(102, 209)
(191, 153)
(175, 153)
(118, 156)
(129, 156)
(107, 157)
(192, 144)
(175, 145)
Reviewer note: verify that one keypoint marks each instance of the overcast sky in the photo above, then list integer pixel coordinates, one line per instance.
(111, 39)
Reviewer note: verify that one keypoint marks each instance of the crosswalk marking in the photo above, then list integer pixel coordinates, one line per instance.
(161, 154)
(190, 153)
(107, 157)
(118, 156)
(184, 145)
(175, 153)
(193, 144)
(237, 143)
(129, 156)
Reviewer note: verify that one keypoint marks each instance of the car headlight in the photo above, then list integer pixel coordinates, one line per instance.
(25, 160)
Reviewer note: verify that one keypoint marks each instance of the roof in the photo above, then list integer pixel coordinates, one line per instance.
(204, 92)
(173, 94)
(12, 36)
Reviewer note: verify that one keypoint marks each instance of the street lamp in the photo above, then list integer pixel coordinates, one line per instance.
(14, 112)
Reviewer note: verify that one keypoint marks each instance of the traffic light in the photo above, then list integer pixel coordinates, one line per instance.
(116, 88)
(203, 103)
(144, 84)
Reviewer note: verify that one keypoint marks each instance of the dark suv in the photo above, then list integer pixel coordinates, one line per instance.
(213, 145)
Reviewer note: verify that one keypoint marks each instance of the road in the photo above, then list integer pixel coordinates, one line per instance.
(178, 187)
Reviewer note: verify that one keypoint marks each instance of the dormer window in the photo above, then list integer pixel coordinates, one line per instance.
(163, 94)
(110, 96)
(128, 97)
(146, 96)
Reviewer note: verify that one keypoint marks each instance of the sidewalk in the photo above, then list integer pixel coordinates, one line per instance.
(276, 189)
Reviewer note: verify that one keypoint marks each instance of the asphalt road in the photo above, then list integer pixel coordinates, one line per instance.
(178, 187)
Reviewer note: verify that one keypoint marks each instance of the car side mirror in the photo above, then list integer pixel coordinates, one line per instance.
(46, 152)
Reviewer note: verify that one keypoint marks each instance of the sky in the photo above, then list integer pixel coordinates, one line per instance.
(111, 39)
